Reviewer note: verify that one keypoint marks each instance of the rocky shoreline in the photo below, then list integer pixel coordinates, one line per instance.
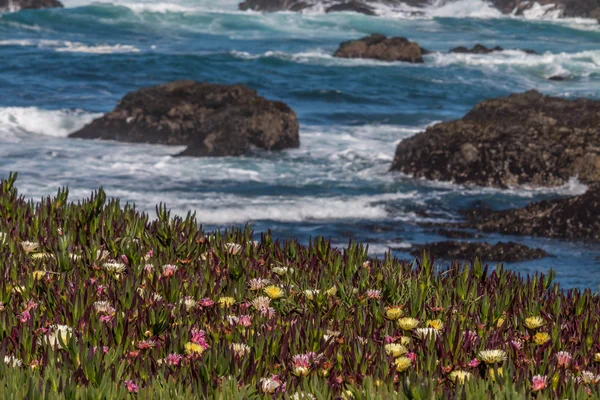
(15, 5)
(500, 252)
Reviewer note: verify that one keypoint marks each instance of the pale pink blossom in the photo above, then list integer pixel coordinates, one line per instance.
(474, 363)
(538, 382)
(131, 387)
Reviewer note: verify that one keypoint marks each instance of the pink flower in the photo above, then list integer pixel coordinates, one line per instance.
(169, 270)
(373, 294)
(30, 305)
(563, 359)
(24, 316)
(199, 337)
(538, 383)
(245, 320)
(106, 318)
(470, 336)
(101, 289)
(124, 259)
(517, 344)
(131, 387)
(174, 359)
(146, 344)
(388, 339)
(206, 302)
(412, 356)
(474, 363)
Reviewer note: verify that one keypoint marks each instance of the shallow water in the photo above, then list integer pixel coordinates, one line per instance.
(62, 68)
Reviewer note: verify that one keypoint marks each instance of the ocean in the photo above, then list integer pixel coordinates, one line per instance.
(61, 68)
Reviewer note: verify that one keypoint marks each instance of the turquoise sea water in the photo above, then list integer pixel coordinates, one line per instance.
(61, 68)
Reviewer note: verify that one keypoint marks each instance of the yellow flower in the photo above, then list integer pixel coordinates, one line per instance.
(492, 373)
(274, 292)
(597, 357)
(395, 350)
(459, 376)
(492, 356)
(332, 291)
(408, 324)
(226, 301)
(29, 247)
(300, 371)
(40, 256)
(541, 337)
(310, 294)
(393, 313)
(534, 322)
(436, 324)
(193, 348)
(402, 363)
(404, 340)
(500, 322)
(38, 275)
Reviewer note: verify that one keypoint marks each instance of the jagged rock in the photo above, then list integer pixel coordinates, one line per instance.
(212, 120)
(455, 234)
(523, 139)
(573, 218)
(14, 5)
(379, 47)
(558, 78)
(481, 49)
(503, 252)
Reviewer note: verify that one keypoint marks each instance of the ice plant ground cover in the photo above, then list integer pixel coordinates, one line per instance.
(99, 301)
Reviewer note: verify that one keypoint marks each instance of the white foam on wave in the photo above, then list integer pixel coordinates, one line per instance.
(580, 64)
(71, 47)
(18, 121)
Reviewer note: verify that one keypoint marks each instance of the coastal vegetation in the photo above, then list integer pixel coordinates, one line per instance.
(98, 300)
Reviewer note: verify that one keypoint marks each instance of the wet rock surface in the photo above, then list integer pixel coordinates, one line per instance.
(502, 251)
(379, 47)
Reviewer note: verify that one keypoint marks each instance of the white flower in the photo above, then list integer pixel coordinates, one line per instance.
(29, 247)
(240, 349)
(588, 378)
(189, 303)
(311, 294)
(52, 337)
(12, 361)
(233, 248)
(331, 334)
(114, 268)
(104, 307)
(258, 283)
(261, 302)
(102, 255)
(269, 385)
(424, 333)
(41, 256)
(302, 396)
(282, 270)
(492, 356)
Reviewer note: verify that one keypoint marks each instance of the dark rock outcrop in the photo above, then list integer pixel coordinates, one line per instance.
(379, 47)
(523, 139)
(481, 49)
(558, 78)
(574, 218)
(566, 8)
(503, 252)
(456, 234)
(212, 120)
(13, 5)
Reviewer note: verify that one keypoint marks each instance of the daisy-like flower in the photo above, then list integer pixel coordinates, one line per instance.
(311, 294)
(374, 294)
(301, 364)
(516, 343)
(588, 378)
(193, 348)
(189, 303)
(425, 333)
(274, 292)
(408, 324)
(169, 270)
(12, 361)
(474, 363)
(42, 256)
(404, 340)
(226, 301)
(459, 377)
(538, 383)
(393, 313)
(541, 337)
(104, 307)
(534, 322)
(597, 357)
(146, 344)
(29, 247)
(131, 387)
(206, 302)
(114, 268)
(102, 255)
(239, 349)
(233, 248)
(281, 271)
(436, 324)
(395, 349)
(38, 275)
(492, 356)
(302, 396)
(174, 359)
(261, 302)
(332, 291)
(402, 363)
(331, 334)
(271, 385)
(257, 284)
(563, 359)
(64, 332)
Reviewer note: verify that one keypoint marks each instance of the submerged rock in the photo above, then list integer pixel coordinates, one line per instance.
(558, 78)
(573, 218)
(523, 139)
(379, 47)
(14, 5)
(481, 49)
(503, 252)
(212, 120)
